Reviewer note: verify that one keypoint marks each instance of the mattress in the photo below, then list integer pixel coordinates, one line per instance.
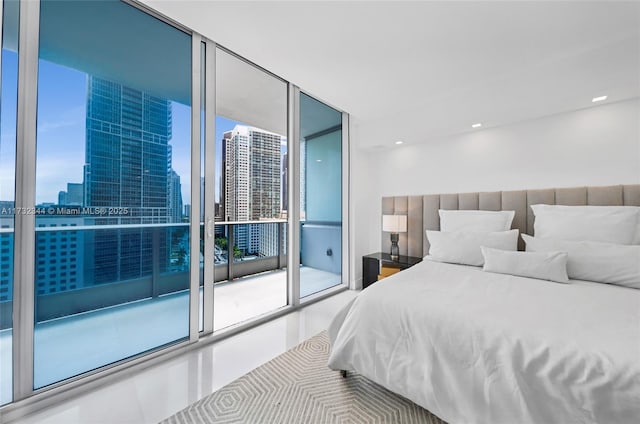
(477, 347)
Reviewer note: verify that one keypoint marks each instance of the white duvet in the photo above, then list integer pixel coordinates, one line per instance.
(477, 347)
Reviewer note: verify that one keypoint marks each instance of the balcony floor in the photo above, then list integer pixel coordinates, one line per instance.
(75, 344)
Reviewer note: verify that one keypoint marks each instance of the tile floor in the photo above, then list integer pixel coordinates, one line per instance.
(153, 394)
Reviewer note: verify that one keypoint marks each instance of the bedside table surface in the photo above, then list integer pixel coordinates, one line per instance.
(402, 260)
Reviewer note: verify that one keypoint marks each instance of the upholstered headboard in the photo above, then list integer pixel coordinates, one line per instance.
(422, 211)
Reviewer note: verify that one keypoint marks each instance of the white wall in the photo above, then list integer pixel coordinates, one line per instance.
(365, 208)
(595, 146)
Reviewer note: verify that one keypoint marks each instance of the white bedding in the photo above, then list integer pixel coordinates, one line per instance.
(478, 347)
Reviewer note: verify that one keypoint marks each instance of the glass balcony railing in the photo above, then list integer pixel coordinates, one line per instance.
(83, 268)
(255, 246)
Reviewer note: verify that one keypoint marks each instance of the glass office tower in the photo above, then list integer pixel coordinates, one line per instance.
(128, 166)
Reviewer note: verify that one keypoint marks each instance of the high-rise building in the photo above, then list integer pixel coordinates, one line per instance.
(74, 196)
(235, 147)
(127, 151)
(226, 139)
(174, 194)
(251, 181)
(6, 250)
(128, 165)
(59, 254)
(268, 239)
(174, 190)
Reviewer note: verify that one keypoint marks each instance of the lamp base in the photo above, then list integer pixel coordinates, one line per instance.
(395, 251)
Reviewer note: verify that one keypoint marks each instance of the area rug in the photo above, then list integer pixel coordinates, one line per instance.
(297, 387)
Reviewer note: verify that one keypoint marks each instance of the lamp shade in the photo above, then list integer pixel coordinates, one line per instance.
(394, 223)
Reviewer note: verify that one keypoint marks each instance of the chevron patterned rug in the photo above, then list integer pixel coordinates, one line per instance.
(297, 387)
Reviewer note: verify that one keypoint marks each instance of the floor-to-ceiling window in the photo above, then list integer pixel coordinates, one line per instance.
(320, 196)
(9, 95)
(251, 191)
(117, 107)
(112, 187)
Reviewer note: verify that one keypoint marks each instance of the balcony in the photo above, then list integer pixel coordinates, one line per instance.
(80, 329)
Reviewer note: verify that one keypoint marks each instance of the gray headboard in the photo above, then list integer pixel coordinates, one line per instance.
(422, 211)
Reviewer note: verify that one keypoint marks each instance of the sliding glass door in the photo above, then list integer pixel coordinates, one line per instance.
(320, 196)
(250, 192)
(112, 187)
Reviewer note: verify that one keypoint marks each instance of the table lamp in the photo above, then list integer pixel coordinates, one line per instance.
(394, 224)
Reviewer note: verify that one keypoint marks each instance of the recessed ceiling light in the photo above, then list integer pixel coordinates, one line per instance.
(599, 99)
(478, 125)
(318, 160)
(399, 142)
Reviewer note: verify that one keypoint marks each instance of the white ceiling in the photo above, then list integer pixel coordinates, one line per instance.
(419, 71)
(246, 94)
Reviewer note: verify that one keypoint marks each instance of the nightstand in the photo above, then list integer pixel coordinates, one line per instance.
(379, 265)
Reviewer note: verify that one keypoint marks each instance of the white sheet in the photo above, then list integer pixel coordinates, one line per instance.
(478, 347)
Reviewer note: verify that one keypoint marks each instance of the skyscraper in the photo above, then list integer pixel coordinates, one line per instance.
(174, 190)
(60, 254)
(128, 165)
(174, 195)
(251, 181)
(251, 160)
(127, 151)
(6, 250)
(74, 196)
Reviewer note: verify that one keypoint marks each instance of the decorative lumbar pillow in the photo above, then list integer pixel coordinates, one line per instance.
(463, 247)
(594, 261)
(550, 266)
(607, 224)
(485, 221)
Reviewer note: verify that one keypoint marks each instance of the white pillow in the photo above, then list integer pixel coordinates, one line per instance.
(607, 224)
(594, 261)
(485, 221)
(550, 266)
(463, 247)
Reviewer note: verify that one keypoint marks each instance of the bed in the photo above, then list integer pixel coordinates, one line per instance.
(478, 347)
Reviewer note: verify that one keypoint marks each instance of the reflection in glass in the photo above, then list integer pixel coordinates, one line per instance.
(251, 151)
(8, 109)
(320, 196)
(112, 187)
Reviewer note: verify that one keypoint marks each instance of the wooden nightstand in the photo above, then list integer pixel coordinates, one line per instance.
(380, 265)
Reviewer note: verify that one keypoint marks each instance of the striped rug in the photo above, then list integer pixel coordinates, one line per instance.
(297, 387)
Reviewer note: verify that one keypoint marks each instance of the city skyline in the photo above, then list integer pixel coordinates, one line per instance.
(62, 122)
(128, 163)
(62, 98)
